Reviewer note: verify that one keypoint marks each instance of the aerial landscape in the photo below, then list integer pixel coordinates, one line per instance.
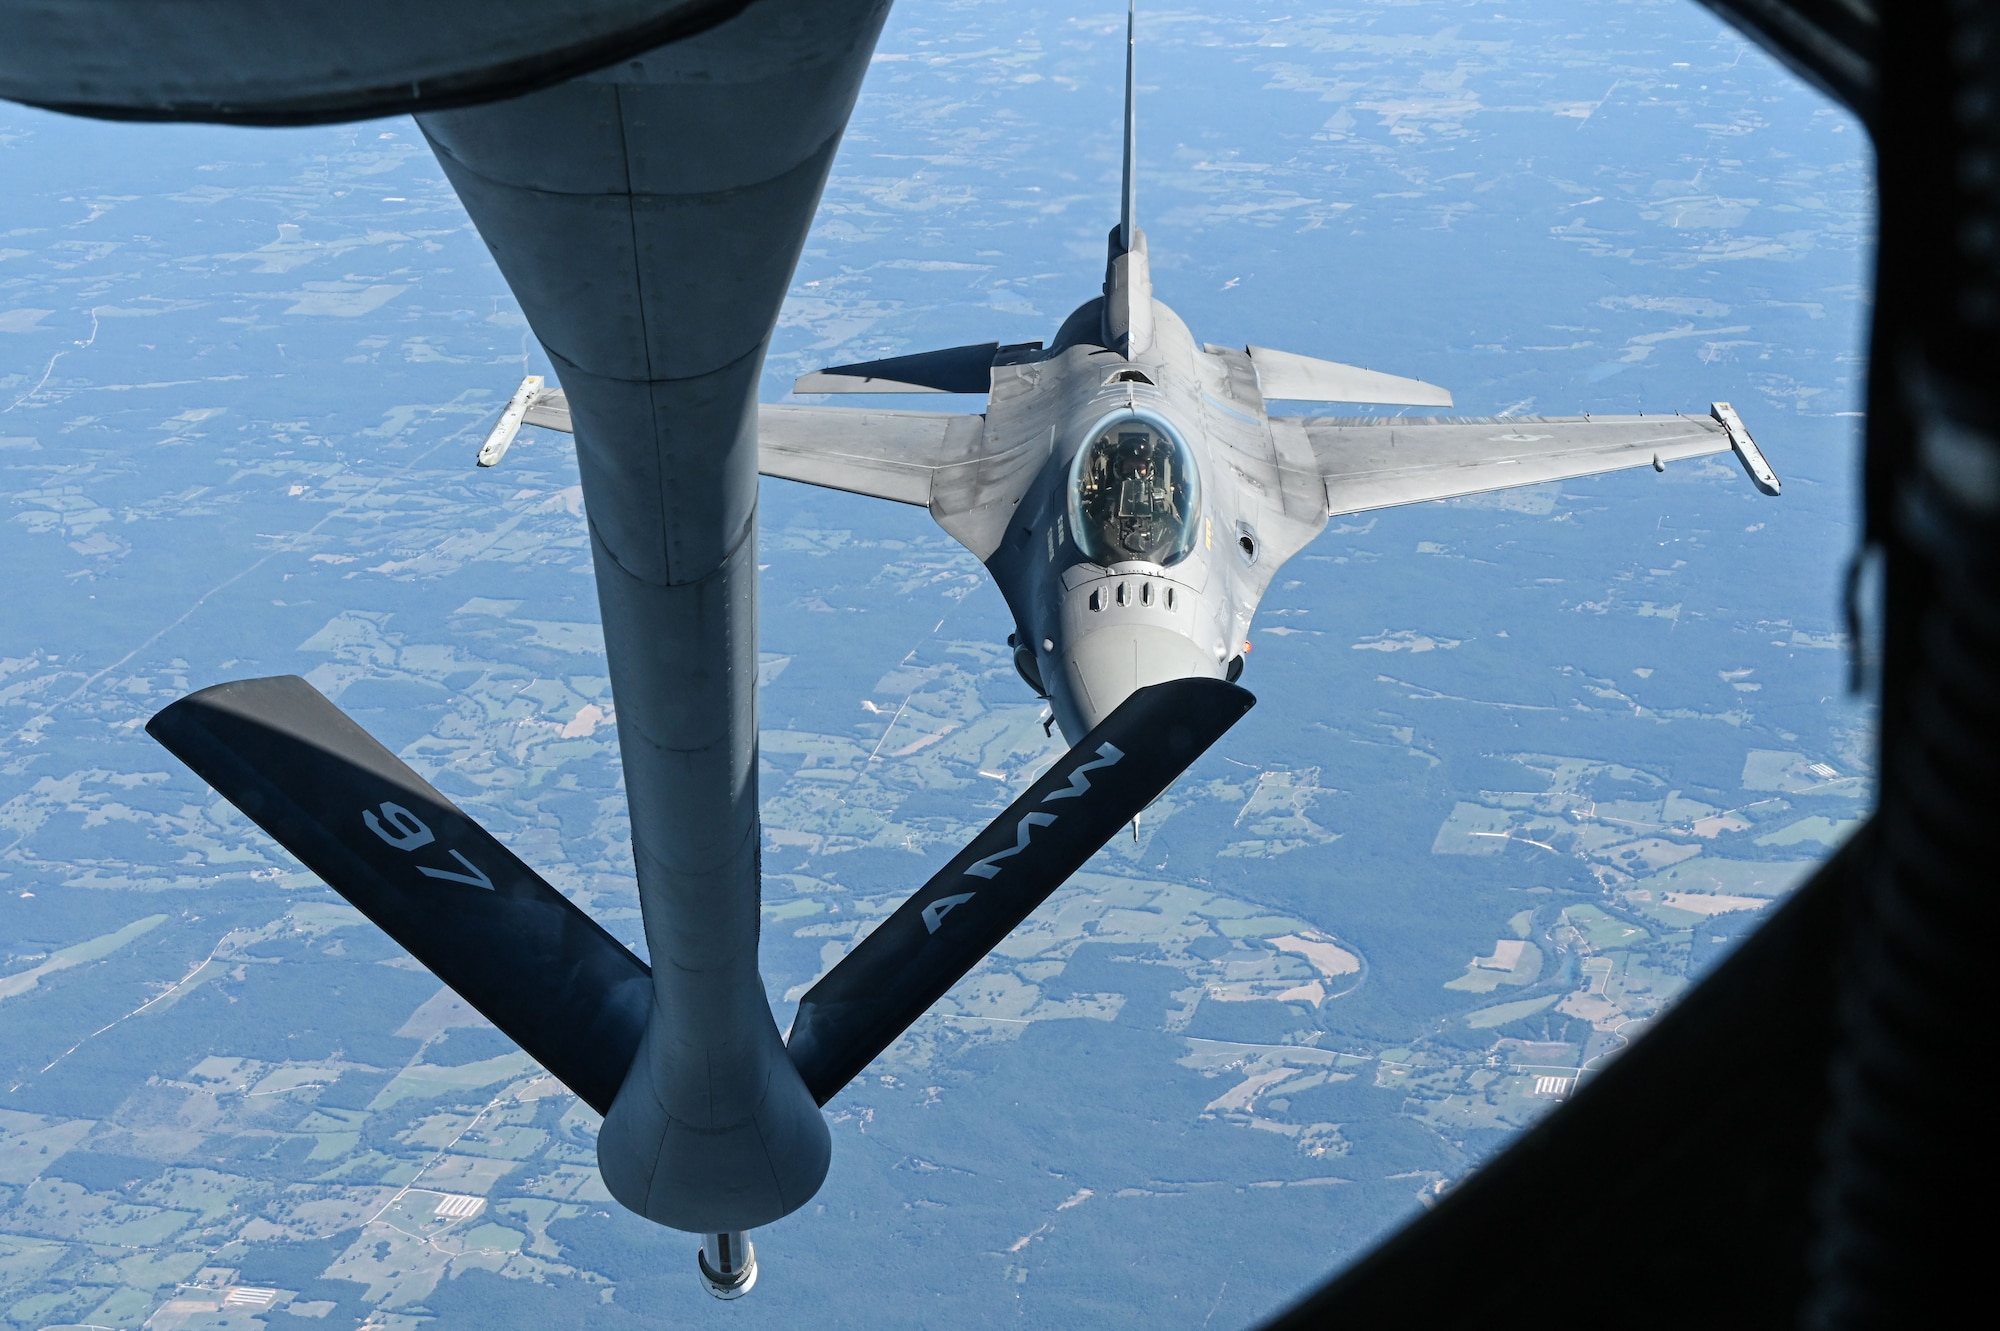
(1523, 765)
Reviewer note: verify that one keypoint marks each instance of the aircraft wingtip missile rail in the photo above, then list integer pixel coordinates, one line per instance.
(1761, 473)
(501, 438)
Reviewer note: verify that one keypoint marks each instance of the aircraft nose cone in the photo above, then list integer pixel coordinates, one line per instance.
(1105, 667)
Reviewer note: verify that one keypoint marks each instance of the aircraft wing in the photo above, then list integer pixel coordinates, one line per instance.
(883, 454)
(1379, 463)
(887, 454)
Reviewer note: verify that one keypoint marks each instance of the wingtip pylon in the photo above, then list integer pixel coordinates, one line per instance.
(1762, 474)
(502, 436)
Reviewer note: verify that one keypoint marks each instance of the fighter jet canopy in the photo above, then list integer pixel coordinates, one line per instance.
(1135, 494)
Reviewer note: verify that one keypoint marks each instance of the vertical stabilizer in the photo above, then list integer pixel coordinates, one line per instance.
(1128, 278)
(1128, 201)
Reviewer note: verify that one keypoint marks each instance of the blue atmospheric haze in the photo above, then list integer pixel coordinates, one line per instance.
(1582, 734)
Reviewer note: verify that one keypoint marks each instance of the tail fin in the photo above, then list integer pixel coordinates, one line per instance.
(1128, 276)
(1128, 203)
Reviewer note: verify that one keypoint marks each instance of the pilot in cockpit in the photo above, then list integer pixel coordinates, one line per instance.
(1133, 495)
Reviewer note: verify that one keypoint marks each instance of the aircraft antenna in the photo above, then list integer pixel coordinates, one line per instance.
(1128, 203)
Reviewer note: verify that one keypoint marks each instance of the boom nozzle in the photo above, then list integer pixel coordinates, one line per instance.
(728, 1264)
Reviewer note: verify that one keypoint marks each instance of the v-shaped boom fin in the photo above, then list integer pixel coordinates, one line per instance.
(912, 958)
(464, 905)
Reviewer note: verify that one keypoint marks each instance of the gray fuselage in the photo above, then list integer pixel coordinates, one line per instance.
(1169, 591)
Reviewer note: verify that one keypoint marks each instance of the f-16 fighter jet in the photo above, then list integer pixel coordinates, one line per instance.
(1128, 488)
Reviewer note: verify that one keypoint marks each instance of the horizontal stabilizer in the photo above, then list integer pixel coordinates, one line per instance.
(1281, 374)
(952, 370)
(893, 977)
(437, 882)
